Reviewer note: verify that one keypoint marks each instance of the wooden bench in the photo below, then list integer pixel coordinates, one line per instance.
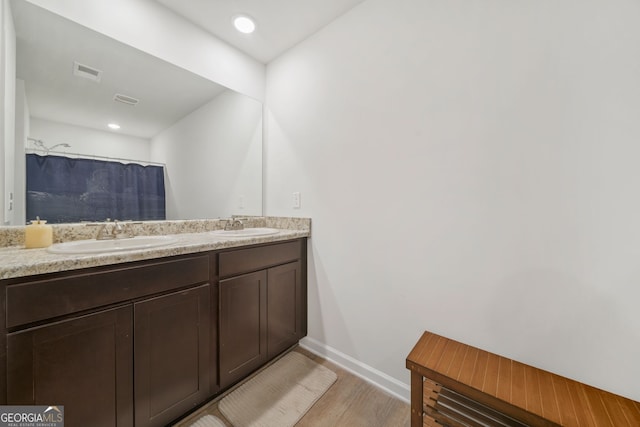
(455, 384)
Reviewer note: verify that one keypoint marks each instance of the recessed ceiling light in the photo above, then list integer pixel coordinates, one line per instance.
(244, 24)
(114, 126)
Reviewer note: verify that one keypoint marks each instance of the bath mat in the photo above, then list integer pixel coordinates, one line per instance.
(208, 421)
(279, 395)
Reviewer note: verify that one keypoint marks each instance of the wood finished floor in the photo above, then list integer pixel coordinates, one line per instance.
(350, 402)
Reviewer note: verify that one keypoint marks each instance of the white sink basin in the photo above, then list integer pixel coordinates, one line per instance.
(116, 245)
(247, 232)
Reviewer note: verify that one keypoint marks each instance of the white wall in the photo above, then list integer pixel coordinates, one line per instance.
(152, 28)
(23, 124)
(4, 12)
(7, 119)
(471, 168)
(89, 142)
(213, 158)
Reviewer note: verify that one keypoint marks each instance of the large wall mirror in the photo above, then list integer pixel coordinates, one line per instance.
(72, 82)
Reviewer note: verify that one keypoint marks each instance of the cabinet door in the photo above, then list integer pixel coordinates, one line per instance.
(243, 321)
(171, 348)
(284, 307)
(83, 363)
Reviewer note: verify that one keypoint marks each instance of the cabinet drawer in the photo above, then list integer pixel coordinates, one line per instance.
(39, 300)
(245, 260)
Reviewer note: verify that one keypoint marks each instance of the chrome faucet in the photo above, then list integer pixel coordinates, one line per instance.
(233, 224)
(119, 229)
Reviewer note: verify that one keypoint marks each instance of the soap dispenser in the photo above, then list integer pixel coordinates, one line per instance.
(38, 234)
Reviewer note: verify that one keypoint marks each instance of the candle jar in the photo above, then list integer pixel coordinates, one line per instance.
(38, 234)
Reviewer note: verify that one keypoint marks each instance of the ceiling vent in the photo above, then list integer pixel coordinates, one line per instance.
(129, 100)
(86, 72)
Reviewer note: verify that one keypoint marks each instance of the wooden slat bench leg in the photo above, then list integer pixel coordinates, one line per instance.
(416, 399)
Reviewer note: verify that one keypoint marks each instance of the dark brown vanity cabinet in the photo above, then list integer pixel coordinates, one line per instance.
(243, 326)
(171, 355)
(83, 363)
(117, 347)
(143, 343)
(262, 306)
(284, 307)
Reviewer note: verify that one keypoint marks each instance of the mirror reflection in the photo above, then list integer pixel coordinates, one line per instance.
(82, 94)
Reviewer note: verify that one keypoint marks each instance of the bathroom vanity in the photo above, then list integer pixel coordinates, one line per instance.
(143, 342)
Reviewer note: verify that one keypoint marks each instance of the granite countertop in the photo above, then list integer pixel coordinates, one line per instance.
(16, 261)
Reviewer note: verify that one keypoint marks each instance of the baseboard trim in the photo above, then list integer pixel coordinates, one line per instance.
(371, 375)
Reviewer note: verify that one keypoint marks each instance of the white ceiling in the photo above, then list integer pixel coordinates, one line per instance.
(280, 24)
(48, 45)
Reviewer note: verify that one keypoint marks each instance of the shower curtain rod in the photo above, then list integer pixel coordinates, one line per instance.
(92, 156)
